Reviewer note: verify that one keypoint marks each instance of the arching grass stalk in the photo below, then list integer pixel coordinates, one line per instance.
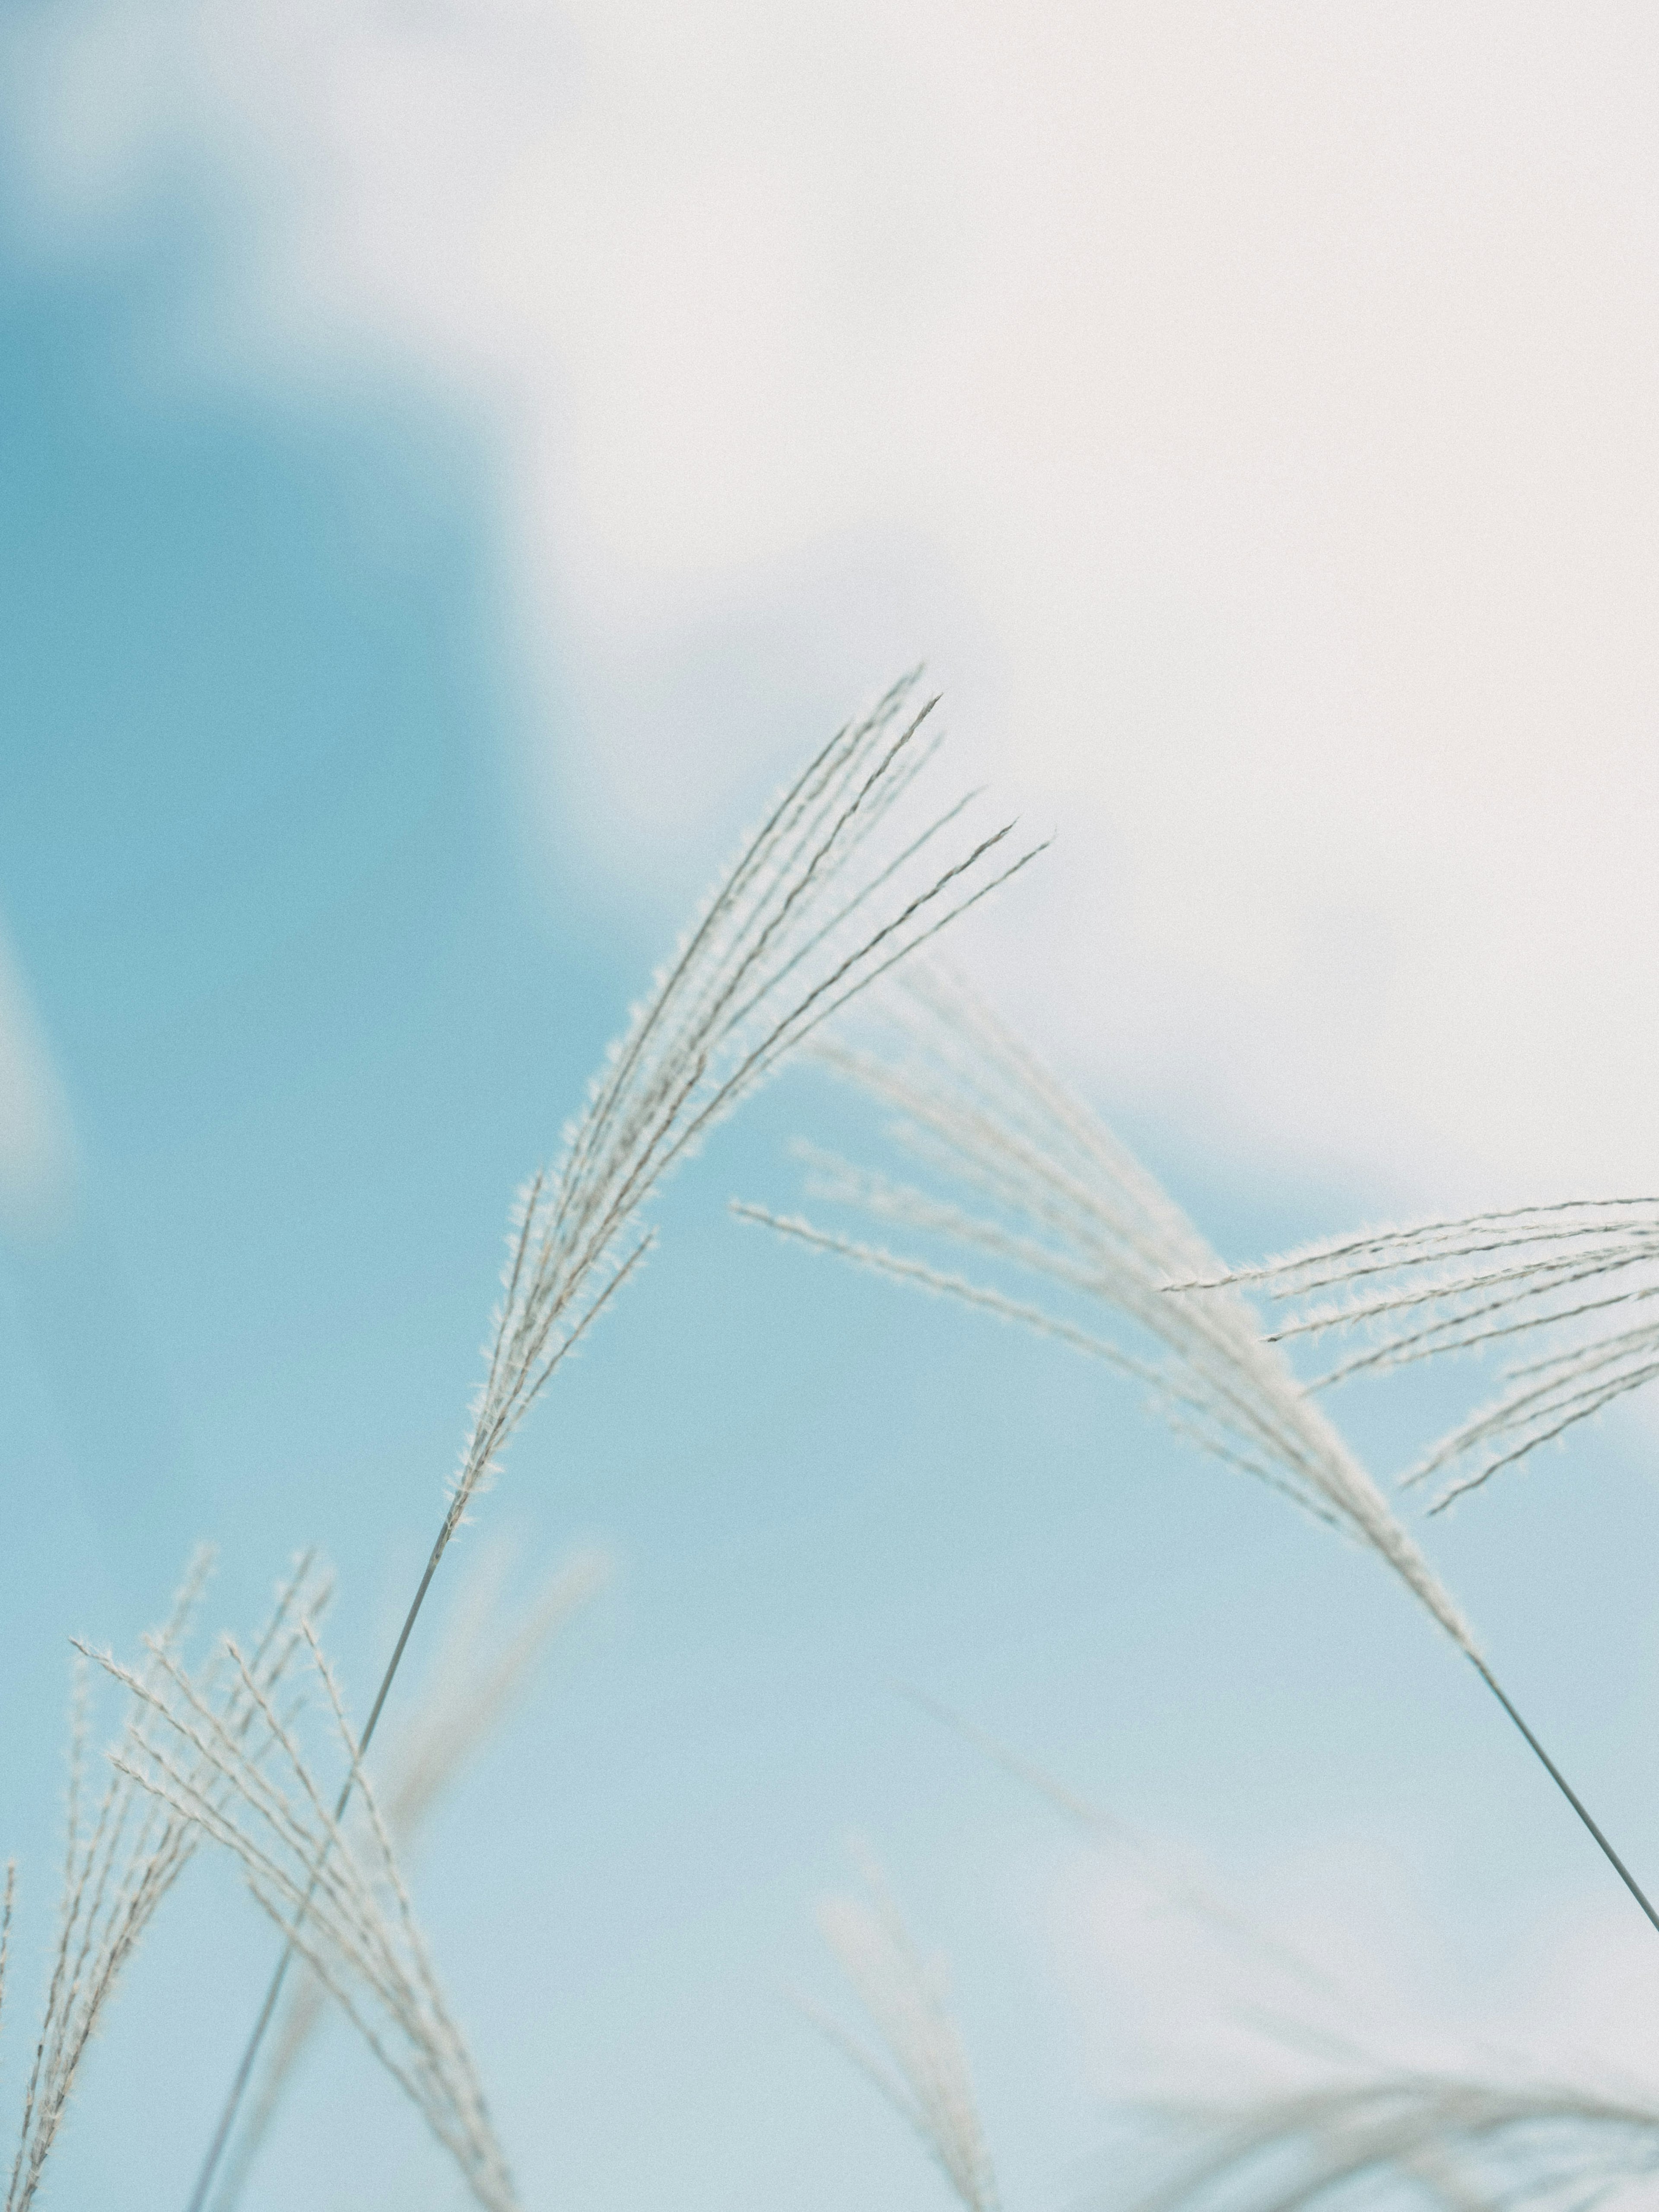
(1566, 1790)
(1034, 1180)
(837, 886)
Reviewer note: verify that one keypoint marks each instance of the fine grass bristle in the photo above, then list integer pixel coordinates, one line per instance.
(1564, 1278)
(339, 1897)
(470, 1686)
(122, 1859)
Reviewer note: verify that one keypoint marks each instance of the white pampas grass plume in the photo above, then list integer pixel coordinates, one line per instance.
(831, 892)
(1574, 1282)
(339, 1897)
(924, 2074)
(1050, 1189)
(469, 1689)
(122, 1855)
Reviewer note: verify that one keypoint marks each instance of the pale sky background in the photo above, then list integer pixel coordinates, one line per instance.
(456, 456)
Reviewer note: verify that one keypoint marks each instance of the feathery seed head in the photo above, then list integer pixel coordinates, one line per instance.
(1576, 1279)
(216, 1758)
(122, 1856)
(473, 1678)
(1049, 1189)
(833, 891)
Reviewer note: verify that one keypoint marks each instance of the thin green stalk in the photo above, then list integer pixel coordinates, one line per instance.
(1566, 1790)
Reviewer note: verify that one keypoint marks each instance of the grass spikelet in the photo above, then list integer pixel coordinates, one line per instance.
(1574, 1282)
(826, 896)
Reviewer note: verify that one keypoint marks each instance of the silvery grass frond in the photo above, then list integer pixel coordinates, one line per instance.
(124, 1852)
(1033, 1180)
(1571, 1285)
(340, 1897)
(470, 1687)
(1466, 2145)
(835, 888)
(1038, 1182)
(840, 884)
(924, 2074)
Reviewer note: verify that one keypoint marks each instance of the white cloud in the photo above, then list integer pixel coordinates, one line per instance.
(1338, 1958)
(1248, 409)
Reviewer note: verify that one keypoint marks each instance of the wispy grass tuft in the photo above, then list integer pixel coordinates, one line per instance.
(470, 1687)
(1575, 1277)
(123, 1853)
(1170, 1876)
(924, 2075)
(258, 1793)
(1352, 2126)
(1035, 1181)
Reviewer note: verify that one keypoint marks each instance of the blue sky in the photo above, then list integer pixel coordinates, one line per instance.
(327, 894)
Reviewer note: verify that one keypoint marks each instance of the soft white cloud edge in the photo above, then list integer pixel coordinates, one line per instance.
(1248, 411)
(1162, 2006)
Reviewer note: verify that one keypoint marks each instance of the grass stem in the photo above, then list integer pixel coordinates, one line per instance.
(1566, 1790)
